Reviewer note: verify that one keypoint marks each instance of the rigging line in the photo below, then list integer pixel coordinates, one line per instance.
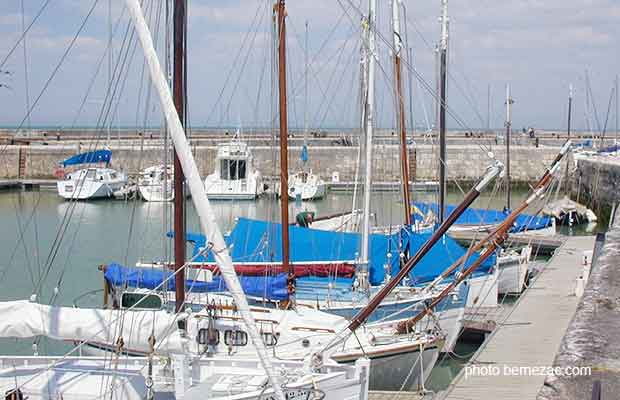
(318, 53)
(26, 82)
(23, 242)
(611, 97)
(96, 74)
(593, 104)
(449, 110)
(339, 84)
(21, 238)
(243, 65)
(60, 62)
(69, 213)
(451, 77)
(235, 61)
(325, 92)
(25, 31)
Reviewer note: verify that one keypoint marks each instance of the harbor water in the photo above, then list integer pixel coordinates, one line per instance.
(53, 247)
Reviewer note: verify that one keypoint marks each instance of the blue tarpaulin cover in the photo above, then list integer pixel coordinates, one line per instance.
(260, 241)
(304, 153)
(477, 216)
(98, 156)
(610, 149)
(270, 287)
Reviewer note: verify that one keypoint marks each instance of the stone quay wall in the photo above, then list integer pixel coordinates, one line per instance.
(465, 162)
(597, 181)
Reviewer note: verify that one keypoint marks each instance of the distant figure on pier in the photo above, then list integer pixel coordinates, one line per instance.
(304, 219)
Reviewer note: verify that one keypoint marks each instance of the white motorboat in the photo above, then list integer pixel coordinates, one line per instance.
(306, 186)
(235, 177)
(156, 183)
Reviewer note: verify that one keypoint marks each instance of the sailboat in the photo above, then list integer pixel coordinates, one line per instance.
(93, 182)
(155, 183)
(305, 184)
(180, 374)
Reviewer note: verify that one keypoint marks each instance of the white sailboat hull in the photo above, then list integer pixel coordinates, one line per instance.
(306, 186)
(156, 193)
(85, 189)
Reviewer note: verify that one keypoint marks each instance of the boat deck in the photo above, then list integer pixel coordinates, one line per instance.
(529, 336)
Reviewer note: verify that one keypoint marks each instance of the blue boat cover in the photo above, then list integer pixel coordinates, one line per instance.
(478, 216)
(97, 156)
(304, 154)
(260, 241)
(610, 149)
(269, 287)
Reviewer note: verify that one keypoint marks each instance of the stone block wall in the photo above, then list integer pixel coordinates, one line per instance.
(465, 162)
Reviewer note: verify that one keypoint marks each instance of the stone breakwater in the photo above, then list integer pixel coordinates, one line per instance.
(465, 162)
(597, 181)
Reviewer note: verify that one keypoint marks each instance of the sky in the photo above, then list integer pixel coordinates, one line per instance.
(539, 47)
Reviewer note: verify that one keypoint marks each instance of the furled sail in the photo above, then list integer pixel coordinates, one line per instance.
(24, 319)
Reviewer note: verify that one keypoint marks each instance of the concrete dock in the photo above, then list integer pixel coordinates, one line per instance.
(529, 336)
(592, 339)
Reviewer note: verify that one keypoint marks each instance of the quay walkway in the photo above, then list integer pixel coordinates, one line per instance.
(530, 334)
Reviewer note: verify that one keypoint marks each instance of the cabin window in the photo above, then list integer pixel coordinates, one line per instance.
(235, 338)
(113, 175)
(90, 174)
(203, 337)
(269, 339)
(232, 169)
(147, 301)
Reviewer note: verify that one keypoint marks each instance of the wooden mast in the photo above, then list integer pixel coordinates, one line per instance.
(400, 104)
(281, 14)
(509, 103)
(179, 21)
(443, 71)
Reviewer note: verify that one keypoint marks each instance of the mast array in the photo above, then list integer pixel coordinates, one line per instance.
(443, 72)
(178, 40)
(400, 108)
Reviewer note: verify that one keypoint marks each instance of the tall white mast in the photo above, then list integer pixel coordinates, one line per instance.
(509, 103)
(206, 217)
(443, 72)
(369, 126)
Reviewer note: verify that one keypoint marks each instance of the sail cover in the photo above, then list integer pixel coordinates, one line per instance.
(24, 319)
(269, 287)
(92, 157)
(478, 216)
